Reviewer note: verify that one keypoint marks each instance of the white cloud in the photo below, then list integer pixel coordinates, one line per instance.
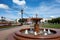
(58, 1)
(21, 3)
(19, 13)
(52, 16)
(4, 6)
(44, 10)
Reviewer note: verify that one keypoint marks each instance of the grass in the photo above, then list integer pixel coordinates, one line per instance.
(51, 25)
(6, 26)
(46, 25)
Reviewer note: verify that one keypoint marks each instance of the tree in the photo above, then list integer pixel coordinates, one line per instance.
(3, 19)
(22, 20)
(55, 20)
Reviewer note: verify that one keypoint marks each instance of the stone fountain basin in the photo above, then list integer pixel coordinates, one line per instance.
(21, 36)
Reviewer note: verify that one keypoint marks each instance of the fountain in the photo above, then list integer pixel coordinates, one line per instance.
(36, 33)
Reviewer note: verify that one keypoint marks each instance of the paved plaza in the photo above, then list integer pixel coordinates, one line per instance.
(4, 33)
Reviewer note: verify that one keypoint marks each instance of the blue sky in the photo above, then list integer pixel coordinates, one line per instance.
(44, 8)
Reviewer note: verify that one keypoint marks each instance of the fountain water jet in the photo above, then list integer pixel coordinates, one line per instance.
(36, 33)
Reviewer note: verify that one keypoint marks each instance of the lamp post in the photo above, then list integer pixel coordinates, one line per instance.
(22, 16)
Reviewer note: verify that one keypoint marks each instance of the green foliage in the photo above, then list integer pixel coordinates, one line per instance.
(3, 19)
(22, 20)
(55, 20)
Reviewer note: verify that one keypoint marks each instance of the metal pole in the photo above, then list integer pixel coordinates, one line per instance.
(22, 16)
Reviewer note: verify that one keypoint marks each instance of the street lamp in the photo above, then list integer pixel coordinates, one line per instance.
(22, 16)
